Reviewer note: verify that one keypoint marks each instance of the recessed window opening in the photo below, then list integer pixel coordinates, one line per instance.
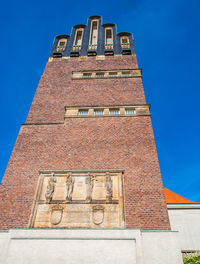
(98, 112)
(124, 40)
(126, 73)
(129, 111)
(83, 112)
(125, 45)
(61, 44)
(114, 111)
(100, 74)
(112, 74)
(78, 39)
(109, 39)
(94, 31)
(87, 75)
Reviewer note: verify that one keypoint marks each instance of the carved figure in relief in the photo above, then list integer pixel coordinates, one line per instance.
(70, 187)
(108, 185)
(89, 187)
(50, 188)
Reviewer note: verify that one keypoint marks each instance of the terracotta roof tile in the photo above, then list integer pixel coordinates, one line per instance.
(174, 198)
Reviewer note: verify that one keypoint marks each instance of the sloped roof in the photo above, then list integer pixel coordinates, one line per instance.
(174, 198)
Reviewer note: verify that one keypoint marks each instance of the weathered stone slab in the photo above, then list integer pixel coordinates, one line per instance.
(78, 200)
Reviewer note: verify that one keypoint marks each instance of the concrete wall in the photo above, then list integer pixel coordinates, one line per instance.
(4, 238)
(186, 220)
(49, 246)
(161, 247)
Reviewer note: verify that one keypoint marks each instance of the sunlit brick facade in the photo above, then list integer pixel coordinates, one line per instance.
(108, 78)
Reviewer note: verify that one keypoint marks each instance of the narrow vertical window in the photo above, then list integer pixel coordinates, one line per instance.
(109, 39)
(93, 36)
(78, 39)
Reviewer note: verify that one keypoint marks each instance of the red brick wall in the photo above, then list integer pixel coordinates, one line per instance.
(86, 143)
(57, 89)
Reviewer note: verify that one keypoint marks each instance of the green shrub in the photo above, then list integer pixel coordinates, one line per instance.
(192, 258)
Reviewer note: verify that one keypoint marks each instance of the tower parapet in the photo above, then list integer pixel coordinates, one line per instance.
(93, 39)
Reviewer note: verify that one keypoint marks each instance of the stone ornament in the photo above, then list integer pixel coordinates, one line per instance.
(108, 186)
(97, 214)
(70, 187)
(79, 199)
(56, 214)
(50, 188)
(89, 181)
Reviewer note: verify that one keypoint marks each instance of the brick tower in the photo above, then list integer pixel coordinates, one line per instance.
(85, 159)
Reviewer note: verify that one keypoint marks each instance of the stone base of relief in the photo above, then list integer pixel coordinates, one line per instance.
(73, 199)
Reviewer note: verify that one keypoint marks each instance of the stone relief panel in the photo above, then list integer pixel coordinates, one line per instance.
(78, 199)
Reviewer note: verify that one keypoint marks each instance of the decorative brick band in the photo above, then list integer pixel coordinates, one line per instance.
(129, 73)
(107, 111)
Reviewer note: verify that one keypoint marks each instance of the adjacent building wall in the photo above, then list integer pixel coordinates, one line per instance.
(186, 220)
(161, 247)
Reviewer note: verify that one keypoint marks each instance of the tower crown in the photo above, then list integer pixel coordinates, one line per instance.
(93, 39)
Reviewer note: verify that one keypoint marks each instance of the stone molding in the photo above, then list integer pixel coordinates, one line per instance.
(137, 110)
(102, 74)
(184, 206)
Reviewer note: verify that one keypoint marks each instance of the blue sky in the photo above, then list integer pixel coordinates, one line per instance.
(167, 40)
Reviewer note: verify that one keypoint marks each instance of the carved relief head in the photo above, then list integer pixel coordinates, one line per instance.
(52, 179)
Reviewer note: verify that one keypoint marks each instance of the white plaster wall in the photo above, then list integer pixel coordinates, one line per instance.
(187, 222)
(161, 247)
(72, 251)
(72, 247)
(117, 246)
(4, 239)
